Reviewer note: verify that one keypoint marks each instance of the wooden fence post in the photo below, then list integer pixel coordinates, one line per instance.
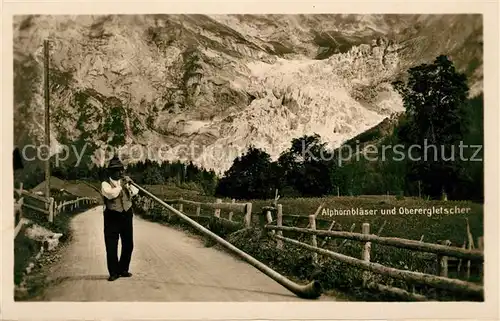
(443, 265)
(459, 266)
(262, 217)
(366, 251)
(269, 219)
(312, 224)
(470, 246)
(443, 262)
(230, 217)
(480, 245)
(279, 223)
(51, 209)
(217, 210)
(248, 215)
(181, 206)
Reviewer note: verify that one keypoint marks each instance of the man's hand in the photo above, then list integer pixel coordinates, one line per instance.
(127, 179)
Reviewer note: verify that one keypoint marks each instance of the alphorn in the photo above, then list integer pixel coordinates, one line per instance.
(313, 290)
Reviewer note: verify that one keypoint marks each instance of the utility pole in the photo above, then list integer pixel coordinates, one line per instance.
(47, 116)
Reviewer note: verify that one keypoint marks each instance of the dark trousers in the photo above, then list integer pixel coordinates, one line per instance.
(118, 225)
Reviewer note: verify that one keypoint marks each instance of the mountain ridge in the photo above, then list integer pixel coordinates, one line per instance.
(224, 82)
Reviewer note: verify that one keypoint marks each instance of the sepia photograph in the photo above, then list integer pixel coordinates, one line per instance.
(170, 157)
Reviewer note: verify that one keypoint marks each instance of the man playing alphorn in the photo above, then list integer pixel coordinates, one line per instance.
(117, 193)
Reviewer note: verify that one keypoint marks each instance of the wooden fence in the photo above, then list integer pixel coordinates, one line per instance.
(444, 252)
(48, 206)
(235, 208)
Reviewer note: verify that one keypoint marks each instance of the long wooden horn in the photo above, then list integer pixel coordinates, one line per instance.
(312, 290)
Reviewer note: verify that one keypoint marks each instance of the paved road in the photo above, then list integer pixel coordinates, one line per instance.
(168, 265)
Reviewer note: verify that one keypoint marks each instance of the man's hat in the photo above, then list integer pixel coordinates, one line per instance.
(115, 163)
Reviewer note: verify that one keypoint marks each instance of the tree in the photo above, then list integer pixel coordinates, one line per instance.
(307, 166)
(435, 97)
(152, 176)
(249, 177)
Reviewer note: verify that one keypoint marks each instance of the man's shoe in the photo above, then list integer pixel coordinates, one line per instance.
(126, 274)
(113, 277)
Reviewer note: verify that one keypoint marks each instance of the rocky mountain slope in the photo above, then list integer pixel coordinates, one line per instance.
(205, 87)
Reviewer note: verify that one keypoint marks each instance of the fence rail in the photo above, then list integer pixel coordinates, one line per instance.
(47, 206)
(274, 227)
(73, 204)
(443, 253)
(217, 206)
(392, 241)
(411, 276)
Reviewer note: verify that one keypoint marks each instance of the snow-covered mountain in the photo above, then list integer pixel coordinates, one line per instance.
(206, 87)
